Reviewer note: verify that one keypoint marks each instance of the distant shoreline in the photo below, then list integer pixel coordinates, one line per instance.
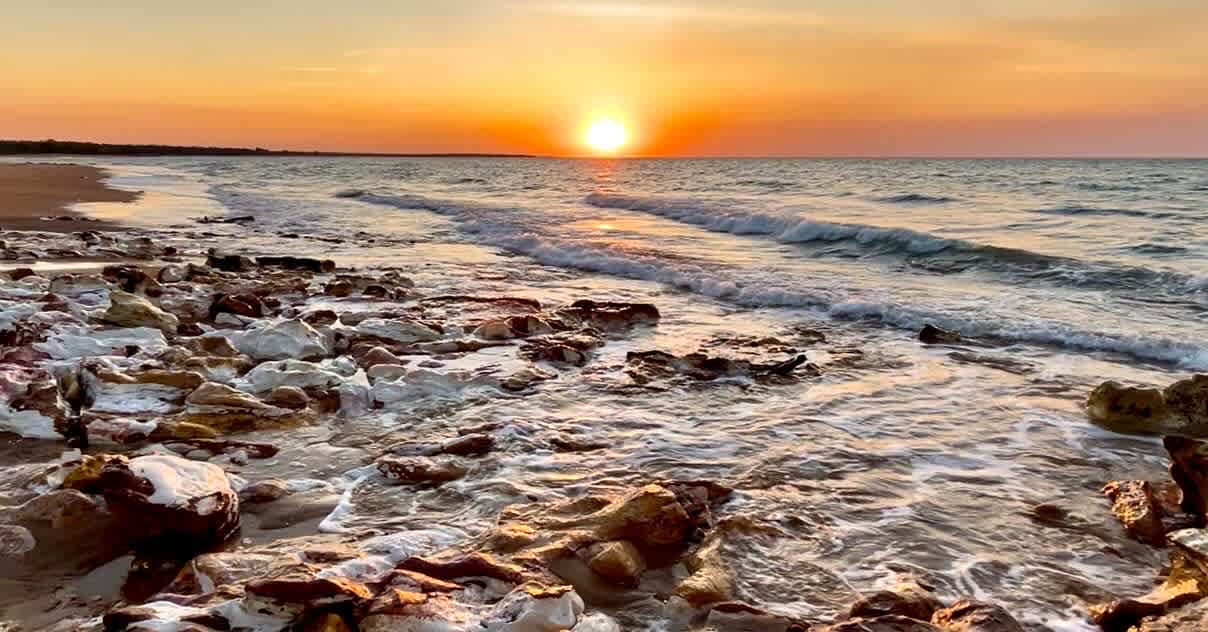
(79, 148)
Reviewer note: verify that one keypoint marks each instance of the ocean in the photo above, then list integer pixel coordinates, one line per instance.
(900, 459)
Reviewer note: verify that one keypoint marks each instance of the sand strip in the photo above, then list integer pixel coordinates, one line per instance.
(30, 192)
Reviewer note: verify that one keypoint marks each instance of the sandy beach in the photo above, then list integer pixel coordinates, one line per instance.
(30, 192)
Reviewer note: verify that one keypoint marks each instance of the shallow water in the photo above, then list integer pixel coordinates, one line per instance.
(901, 459)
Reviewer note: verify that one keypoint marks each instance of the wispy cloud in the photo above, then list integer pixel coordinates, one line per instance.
(671, 12)
(310, 69)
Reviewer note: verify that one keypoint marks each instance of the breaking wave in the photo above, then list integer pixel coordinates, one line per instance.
(518, 231)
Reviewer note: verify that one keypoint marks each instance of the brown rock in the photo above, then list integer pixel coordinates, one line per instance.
(379, 355)
(419, 470)
(288, 396)
(320, 317)
(1189, 469)
(17, 274)
(325, 622)
(471, 565)
(1134, 506)
(930, 334)
(650, 516)
(1128, 409)
(338, 288)
(229, 263)
(618, 561)
(248, 305)
(886, 623)
(908, 599)
(1185, 619)
(306, 264)
(211, 346)
(975, 616)
(299, 584)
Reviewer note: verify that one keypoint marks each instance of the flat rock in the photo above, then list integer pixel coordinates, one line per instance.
(130, 310)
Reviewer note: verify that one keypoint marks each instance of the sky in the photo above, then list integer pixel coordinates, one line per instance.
(705, 78)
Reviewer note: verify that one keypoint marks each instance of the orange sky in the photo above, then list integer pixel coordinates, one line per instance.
(773, 77)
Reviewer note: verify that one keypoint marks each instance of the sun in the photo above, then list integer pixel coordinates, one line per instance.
(605, 135)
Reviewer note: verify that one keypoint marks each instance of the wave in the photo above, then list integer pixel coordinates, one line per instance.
(916, 198)
(516, 230)
(921, 249)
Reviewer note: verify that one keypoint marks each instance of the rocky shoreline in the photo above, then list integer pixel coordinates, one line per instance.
(148, 369)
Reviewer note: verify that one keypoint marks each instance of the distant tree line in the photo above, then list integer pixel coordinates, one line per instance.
(51, 146)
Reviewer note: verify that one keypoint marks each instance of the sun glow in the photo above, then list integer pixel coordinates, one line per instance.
(605, 135)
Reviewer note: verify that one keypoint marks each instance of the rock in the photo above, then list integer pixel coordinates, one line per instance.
(1192, 617)
(932, 335)
(163, 500)
(473, 444)
(711, 580)
(229, 263)
(646, 366)
(975, 616)
(886, 623)
(296, 373)
(264, 492)
(378, 355)
(609, 315)
(1180, 588)
(129, 310)
(171, 273)
(1188, 399)
(17, 274)
(148, 391)
(306, 264)
(31, 404)
(419, 470)
(320, 318)
(325, 622)
(287, 396)
(213, 398)
(338, 288)
(397, 330)
(524, 378)
(908, 599)
(494, 330)
(387, 372)
(247, 305)
(15, 543)
(1134, 506)
(299, 584)
(650, 516)
(528, 325)
(617, 561)
(74, 286)
(1128, 409)
(70, 528)
(132, 279)
(1189, 469)
(283, 340)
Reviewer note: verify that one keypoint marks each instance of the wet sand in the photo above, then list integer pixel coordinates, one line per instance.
(30, 192)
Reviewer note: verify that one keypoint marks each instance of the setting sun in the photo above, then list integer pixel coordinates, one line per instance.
(605, 135)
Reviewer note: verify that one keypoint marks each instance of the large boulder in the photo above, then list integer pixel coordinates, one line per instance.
(1180, 409)
(131, 310)
(397, 330)
(163, 501)
(1189, 469)
(908, 599)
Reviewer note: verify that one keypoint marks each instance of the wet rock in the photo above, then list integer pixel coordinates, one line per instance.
(287, 396)
(69, 528)
(568, 443)
(296, 373)
(650, 516)
(1134, 506)
(975, 616)
(1191, 617)
(247, 305)
(320, 318)
(647, 366)
(338, 288)
(420, 470)
(16, 542)
(132, 279)
(74, 286)
(229, 263)
(397, 330)
(1180, 588)
(129, 310)
(1188, 399)
(299, 584)
(886, 623)
(171, 273)
(525, 378)
(283, 340)
(211, 345)
(1128, 409)
(17, 274)
(618, 561)
(932, 335)
(528, 325)
(609, 315)
(264, 492)
(148, 391)
(908, 599)
(711, 580)
(31, 403)
(306, 264)
(213, 398)
(163, 500)
(1189, 469)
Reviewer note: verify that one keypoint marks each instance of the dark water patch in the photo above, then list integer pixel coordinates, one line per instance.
(915, 198)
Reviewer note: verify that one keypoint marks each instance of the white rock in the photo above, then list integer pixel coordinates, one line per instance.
(79, 341)
(519, 610)
(389, 372)
(283, 340)
(397, 330)
(300, 373)
(178, 481)
(76, 286)
(597, 622)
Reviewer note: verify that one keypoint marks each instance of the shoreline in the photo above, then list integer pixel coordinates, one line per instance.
(31, 191)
